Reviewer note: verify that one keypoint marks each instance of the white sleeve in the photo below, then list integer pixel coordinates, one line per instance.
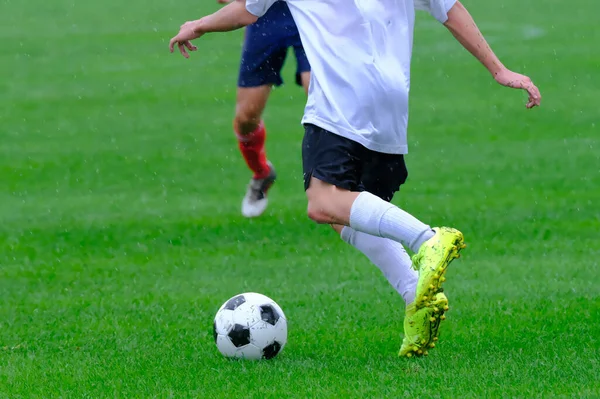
(437, 8)
(258, 8)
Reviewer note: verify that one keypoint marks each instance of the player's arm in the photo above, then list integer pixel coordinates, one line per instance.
(463, 27)
(231, 17)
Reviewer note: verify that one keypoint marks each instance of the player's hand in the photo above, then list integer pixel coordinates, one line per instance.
(517, 81)
(187, 33)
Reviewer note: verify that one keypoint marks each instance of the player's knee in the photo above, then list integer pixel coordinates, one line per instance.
(318, 214)
(318, 207)
(246, 121)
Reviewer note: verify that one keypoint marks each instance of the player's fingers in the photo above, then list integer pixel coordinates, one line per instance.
(530, 101)
(534, 94)
(190, 46)
(537, 96)
(183, 51)
(171, 45)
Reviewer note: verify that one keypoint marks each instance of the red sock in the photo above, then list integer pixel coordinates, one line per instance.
(252, 147)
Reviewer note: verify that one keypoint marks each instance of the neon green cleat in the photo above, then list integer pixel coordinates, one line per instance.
(421, 327)
(424, 315)
(432, 260)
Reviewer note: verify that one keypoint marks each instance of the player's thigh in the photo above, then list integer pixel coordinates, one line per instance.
(332, 159)
(384, 174)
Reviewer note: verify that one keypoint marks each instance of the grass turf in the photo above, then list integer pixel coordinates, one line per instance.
(121, 235)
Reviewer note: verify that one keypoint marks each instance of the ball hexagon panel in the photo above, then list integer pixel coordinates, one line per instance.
(280, 333)
(223, 321)
(256, 298)
(247, 314)
(262, 334)
(225, 346)
(249, 352)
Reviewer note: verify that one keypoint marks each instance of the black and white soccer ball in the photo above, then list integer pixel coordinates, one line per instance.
(250, 326)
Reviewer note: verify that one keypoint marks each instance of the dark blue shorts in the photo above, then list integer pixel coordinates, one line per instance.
(265, 48)
(347, 164)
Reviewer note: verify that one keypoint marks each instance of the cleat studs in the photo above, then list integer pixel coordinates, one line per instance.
(420, 352)
(446, 308)
(442, 279)
(432, 319)
(423, 342)
(435, 339)
(442, 317)
(409, 354)
(431, 287)
(432, 345)
(425, 353)
(435, 309)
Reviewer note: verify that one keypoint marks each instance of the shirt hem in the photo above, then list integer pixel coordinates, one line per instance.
(401, 149)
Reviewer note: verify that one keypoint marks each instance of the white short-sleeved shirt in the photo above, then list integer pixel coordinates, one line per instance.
(359, 52)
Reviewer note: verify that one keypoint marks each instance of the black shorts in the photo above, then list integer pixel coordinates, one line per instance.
(346, 164)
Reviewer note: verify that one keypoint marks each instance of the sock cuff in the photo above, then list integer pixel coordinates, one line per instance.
(366, 213)
(347, 233)
(258, 133)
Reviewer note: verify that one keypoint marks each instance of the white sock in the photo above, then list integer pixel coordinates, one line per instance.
(372, 215)
(390, 257)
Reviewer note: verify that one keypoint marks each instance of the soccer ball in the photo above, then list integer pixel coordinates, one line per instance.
(250, 326)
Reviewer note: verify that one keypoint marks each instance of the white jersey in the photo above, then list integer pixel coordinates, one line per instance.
(359, 52)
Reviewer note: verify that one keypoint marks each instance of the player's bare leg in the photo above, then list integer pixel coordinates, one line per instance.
(251, 134)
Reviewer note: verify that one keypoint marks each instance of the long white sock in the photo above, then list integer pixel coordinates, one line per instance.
(372, 215)
(390, 257)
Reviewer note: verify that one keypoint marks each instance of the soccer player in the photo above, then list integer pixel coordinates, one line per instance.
(355, 124)
(266, 43)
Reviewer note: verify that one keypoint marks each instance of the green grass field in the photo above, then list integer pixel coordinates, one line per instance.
(120, 232)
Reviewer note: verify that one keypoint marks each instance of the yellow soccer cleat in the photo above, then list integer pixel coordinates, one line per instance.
(432, 260)
(421, 326)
